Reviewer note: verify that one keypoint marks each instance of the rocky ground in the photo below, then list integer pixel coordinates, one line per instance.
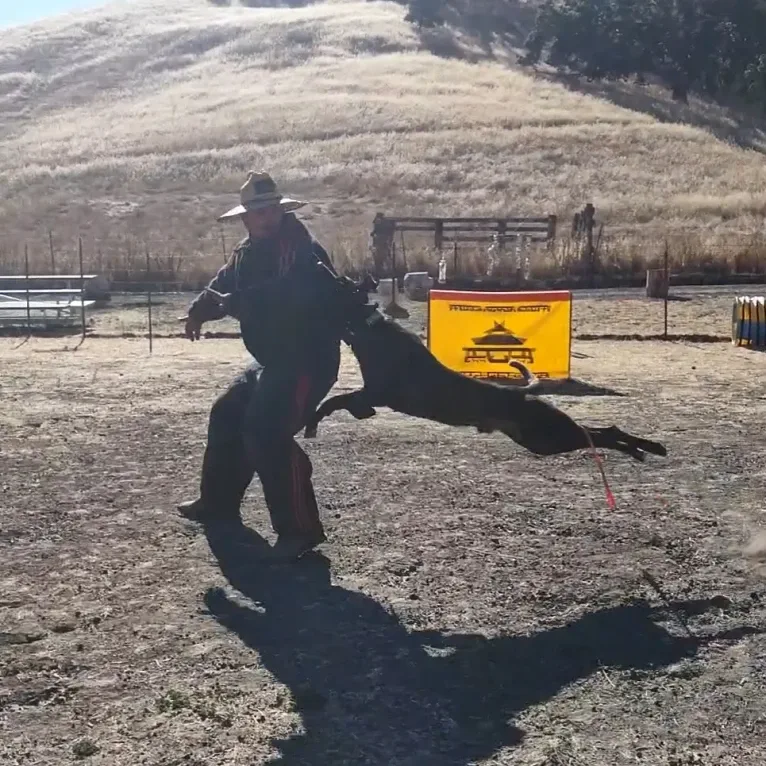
(474, 604)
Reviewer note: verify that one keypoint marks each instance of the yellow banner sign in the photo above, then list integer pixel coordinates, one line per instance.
(479, 333)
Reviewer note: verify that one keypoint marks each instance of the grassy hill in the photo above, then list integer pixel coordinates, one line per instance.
(142, 118)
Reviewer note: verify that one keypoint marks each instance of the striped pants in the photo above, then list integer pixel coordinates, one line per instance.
(251, 430)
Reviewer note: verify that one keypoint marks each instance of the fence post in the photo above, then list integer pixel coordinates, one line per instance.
(501, 234)
(551, 228)
(588, 219)
(383, 232)
(439, 235)
(223, 245)
(26, 282)
(149, 296)
(667, 289)
(394, 309)
(53, 257)
(82, 287)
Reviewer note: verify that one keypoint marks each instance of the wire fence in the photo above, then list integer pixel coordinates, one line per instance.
(132, 287)
(609, 259)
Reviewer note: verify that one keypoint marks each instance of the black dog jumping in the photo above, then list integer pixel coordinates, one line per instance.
(400, 373)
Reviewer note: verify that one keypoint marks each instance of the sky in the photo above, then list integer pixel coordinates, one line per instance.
(24, 11)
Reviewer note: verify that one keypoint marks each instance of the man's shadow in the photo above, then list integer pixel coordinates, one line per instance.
(370, 692)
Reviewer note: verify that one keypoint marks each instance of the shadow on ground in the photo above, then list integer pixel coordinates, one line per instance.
(491, 26)
(567, 387)
(371, 692)
(670, 337)
(475, 30)
(576, 387)
(730, 124)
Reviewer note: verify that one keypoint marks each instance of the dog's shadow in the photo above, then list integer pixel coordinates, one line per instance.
(572, 387)
(369, 691)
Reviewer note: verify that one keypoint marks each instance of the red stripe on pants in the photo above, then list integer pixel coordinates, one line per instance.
(297, 499)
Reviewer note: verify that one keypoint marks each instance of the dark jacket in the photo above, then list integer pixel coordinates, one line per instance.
(280, 305)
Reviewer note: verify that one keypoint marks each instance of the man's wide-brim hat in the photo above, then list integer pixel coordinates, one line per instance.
(259, 192)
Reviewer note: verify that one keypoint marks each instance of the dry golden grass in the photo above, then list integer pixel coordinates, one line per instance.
(141, 119)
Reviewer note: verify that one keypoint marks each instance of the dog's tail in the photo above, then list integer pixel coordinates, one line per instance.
(532, 382)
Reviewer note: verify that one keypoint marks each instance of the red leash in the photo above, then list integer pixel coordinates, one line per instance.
(599, 464)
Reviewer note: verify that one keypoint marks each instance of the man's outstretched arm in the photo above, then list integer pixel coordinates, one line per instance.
(205, 308)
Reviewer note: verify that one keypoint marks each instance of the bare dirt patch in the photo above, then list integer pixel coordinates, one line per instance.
(474, 604)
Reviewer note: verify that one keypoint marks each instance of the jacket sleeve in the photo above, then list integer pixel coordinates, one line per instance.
(204, 308)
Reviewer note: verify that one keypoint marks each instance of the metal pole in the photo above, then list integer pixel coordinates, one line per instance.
(53, 257)
(667, 290)
(82, 287)
(149, 297)
(26, 282)
(223, 246)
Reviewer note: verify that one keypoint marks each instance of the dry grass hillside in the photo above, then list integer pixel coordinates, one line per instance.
(141, 119)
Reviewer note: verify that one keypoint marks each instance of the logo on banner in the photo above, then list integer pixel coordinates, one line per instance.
(498, 346)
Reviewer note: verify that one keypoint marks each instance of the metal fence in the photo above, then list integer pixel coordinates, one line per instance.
(152, 280)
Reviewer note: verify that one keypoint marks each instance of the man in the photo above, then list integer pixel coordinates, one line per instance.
(271, 284)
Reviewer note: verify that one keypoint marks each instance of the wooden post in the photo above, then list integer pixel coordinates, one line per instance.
(26, 282)
(382, 240)
(588, 219)
(551, 228)
(149, 295)
(53, 257)
(394, 309)
(82, 287)
(439, 235)
(393, 272)
(404, 252)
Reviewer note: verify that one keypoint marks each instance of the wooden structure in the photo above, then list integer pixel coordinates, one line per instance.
(452, 231)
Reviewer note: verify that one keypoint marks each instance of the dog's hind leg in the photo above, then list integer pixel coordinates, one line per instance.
(616, 439)
(355, 402)
(545, 430)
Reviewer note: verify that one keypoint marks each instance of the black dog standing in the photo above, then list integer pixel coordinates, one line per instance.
(271, 284)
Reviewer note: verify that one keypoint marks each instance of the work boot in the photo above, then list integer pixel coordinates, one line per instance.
(290, 547)
(198, 510)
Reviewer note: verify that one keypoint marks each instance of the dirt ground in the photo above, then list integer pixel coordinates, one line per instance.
(474, 604)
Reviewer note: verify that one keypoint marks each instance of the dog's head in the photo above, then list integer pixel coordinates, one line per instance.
(358, 292)
(369, 284)
(348, 304)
